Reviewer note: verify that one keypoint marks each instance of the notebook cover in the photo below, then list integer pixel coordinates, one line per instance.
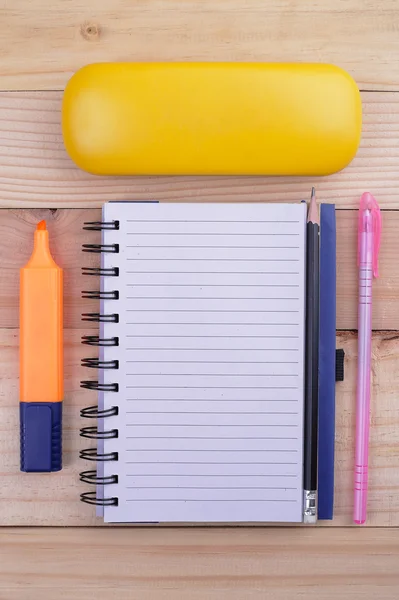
(327, 361)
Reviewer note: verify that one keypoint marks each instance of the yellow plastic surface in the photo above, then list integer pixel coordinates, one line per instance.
(211, 118)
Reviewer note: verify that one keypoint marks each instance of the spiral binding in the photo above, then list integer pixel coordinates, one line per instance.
(99, 272)
(98, 248)
(96, 363)
(91, 477)
(98, 295)
(92, 433)
(99, 387)
(97, 318)
(95, 340)
(101, 225)
(94, 412)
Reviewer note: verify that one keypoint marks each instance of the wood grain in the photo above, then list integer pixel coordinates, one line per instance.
(67, 236)
(46, 498)
(187, 564)
(42, 44)
(35, 170)
(383, 502)
(53, 499)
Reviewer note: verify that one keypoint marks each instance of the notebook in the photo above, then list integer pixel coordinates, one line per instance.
(201, 363)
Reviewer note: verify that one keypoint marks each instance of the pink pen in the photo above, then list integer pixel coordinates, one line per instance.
(369, 236)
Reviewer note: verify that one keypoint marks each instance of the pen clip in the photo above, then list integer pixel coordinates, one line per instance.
(368, 202)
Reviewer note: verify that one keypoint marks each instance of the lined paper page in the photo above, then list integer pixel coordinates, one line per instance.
(211, 360)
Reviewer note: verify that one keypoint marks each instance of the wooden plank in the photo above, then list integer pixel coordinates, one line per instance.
(67, 236)
(45, 498)
(43, 44)
(187, 564)
(383, 502)
(53, 499)
(35, 170)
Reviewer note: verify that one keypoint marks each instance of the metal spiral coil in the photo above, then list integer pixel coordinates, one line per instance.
(93, 455)
(92, 498)
(95, 412)
(97, 318)
(101, 272)
(95, 340)
(97, 386)
(101, 225)
(99, 295)
(98, 248)
(96, 363)
(92, 478)
(92, 433)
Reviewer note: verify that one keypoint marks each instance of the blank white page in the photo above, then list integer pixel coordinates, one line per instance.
(211, 359)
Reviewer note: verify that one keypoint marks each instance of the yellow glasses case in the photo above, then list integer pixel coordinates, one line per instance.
(211, 118)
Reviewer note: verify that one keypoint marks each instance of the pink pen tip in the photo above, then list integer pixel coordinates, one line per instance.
(359, 522)
(367, 201)
(41, 226)
(369, 209)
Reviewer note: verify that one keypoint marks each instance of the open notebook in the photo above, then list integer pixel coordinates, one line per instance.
(204, 389)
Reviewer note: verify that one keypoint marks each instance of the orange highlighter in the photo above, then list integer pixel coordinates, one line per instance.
(41, 359)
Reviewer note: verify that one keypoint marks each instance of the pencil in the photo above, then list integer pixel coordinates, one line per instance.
(311, 362)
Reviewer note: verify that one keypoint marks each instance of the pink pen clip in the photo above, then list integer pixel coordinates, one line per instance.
(368, 202)
(368, 250)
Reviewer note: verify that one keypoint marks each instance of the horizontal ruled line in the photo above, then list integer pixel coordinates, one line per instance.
(206, 500)
(221, 233)
(145, 310)
(202, 412)
(187, 221)
(222, 247)
(189, 412)
(217, 259)
(208, 400)
(162, 437)
(210, 450)
(208, 387)
(215, 349)
(245, 337)
(168, 462)
(176, 487)
(210, 298)
(210, 323)
(213, 424)
(217, 362)
(213, 375)
(212, 273)
(212, 474)
(201, 285)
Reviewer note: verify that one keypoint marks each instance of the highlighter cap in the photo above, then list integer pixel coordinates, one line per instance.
(41, 440)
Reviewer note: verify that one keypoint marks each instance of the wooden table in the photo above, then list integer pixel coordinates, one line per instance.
(41, 44)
